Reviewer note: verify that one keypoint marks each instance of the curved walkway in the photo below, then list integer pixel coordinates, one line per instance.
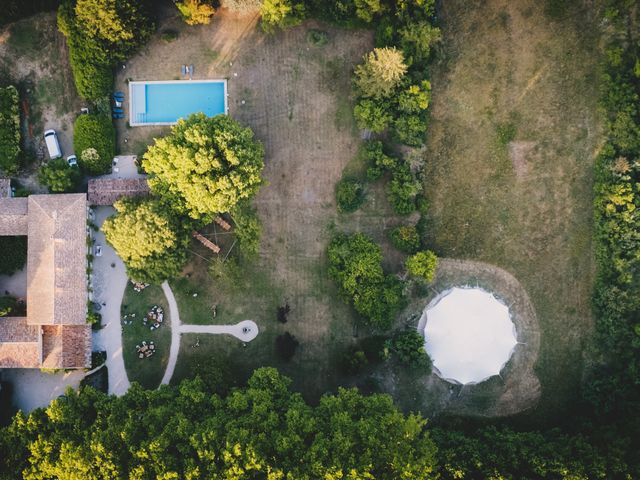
(246, 331)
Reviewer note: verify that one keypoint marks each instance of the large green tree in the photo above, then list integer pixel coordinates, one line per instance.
(11, 263)
(205, 166)
(149, 238)
(262, 431)
(195, 12)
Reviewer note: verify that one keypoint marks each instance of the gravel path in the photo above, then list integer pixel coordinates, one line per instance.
(246, 331)
(109, 284)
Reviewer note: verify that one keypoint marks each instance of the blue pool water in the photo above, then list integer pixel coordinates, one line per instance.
(168, 102)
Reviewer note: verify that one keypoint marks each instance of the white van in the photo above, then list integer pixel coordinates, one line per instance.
(51, 139)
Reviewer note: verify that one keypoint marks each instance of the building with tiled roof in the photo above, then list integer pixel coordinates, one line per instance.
(54, 333)
(107, 191)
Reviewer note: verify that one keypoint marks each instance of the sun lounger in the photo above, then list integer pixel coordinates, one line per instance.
(190, 70)
(184, 70)
(118, 95)
(118, 110)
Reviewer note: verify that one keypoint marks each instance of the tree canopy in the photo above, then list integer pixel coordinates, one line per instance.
(195, 12)
(261, 431)
(422, 265)
(381, 72)
(59, 176)
(9, 264)
(9, 130)
(355, 262)
(205, 166)
(149, 239)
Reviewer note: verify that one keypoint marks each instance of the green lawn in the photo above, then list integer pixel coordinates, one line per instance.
(146, 371)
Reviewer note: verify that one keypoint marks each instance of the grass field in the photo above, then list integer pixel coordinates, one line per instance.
(146, 371)
(507, 171)
(509, 164)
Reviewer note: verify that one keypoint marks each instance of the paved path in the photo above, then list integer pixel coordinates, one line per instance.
(109, 284)
(175, 334)
(246, 331)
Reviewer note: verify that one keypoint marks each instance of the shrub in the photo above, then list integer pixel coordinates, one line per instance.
(317, 37)
(248, 228)
(95, 143)
(281, 14)
(58, 176)
(349, 195)
(371, 115)
(9, 130)
(377, 160)
(9, 264)
(8, 306)
(410, 130)
(403, 189)
(422, 265)
(405, 238)
(408, 348)
(355, 262)
(169, 35)
(354, 360)
(286, 346)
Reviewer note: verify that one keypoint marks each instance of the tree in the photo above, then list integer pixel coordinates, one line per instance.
(148, 237)
(381, 72)
(422, 265)
(408, 347)
(261, 430)
(9, 264)
(367, 9)
(405, 238)
(415, 99)
(349, 195)
(355, 262)
(416, 39)
(248, 228)
(281, 14)
(59, 176)
(119, 27)
(94, 140)
(205, 166)
(243, 6)
(195, 12)
(372, 115)
(9, 130)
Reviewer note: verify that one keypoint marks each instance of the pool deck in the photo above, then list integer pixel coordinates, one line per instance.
(137, 98)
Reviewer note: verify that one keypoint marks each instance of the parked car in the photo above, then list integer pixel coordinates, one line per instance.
(51, 139)
(72, 160)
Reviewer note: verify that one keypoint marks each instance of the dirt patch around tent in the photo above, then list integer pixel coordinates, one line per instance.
(515, 390)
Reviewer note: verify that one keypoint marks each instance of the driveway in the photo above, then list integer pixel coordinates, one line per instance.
(109, 282)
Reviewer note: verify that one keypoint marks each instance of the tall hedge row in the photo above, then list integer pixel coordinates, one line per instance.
(9, 130)
(94, 143)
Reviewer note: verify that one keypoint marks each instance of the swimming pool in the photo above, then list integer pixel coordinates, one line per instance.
(163, 103)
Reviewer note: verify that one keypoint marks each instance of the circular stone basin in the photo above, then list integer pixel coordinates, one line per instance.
(469, 335)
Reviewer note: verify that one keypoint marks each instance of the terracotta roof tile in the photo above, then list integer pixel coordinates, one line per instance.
(106, 191)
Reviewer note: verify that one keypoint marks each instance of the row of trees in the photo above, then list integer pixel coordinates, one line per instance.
(205, 167)
(101, 33)
(200, 430)
(188, 431)
(615, 387)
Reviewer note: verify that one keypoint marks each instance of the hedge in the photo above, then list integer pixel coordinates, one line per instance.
(94, 132)
(9, 130)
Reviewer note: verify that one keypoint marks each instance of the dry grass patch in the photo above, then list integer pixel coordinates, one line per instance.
(510, 164)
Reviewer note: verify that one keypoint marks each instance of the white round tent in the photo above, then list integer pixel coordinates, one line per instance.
(469, 335)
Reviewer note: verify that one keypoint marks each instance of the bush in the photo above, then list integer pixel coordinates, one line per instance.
(286, 346)
(377, 160)
(372, 115)
(169, 35)
(8, 306)
(405, 238)
(194, 12)
(9, 264)
(9, 130)
(355, 262)
(354, 361)
(408, 348)
(58, 176)
(248, 228)
(410, 130)
(317, 37)
(422, 265)
(277, 14)
(403, 189)
(349, 195)
(94, 140)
